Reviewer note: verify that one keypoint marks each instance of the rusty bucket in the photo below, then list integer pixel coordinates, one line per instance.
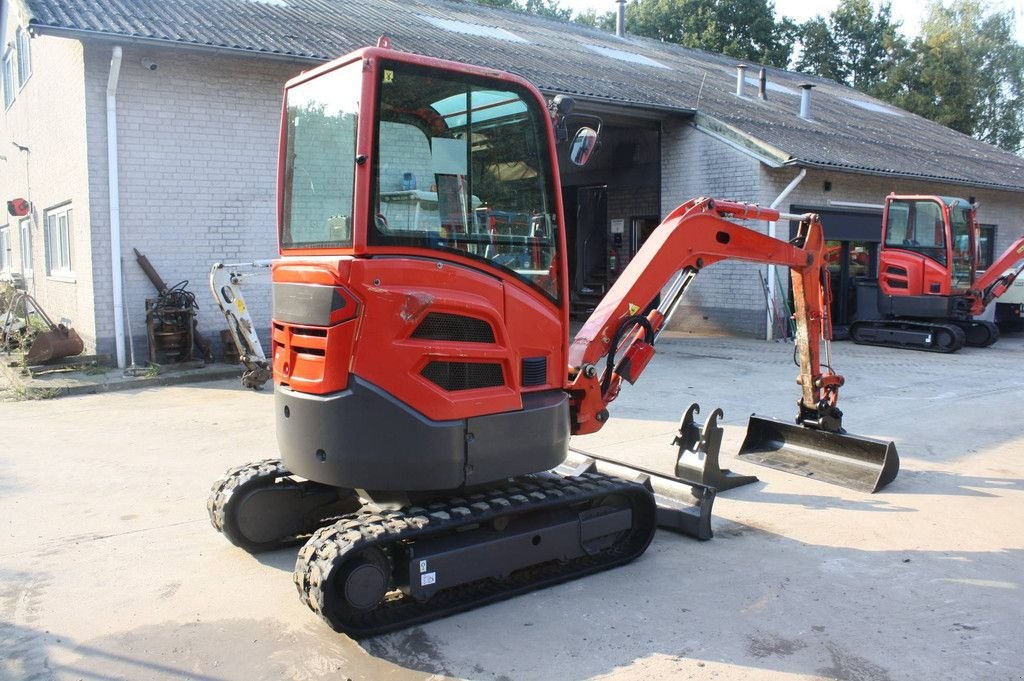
(57, 343)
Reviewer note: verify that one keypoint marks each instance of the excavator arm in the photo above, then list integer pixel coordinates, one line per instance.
(697, 234)
(999, 277)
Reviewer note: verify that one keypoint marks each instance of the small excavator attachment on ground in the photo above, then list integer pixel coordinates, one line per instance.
(927, 294)
(425, 390)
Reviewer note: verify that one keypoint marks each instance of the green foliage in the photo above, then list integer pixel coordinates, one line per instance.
(853, 45)
(965, 71)
(745, 29)
(604, 21)
(544, 8)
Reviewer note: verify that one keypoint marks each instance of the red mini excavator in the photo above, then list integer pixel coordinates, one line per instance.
(424, 387)
(927, 293)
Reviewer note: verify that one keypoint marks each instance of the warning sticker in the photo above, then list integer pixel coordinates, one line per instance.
(428, 578)
(423, 566)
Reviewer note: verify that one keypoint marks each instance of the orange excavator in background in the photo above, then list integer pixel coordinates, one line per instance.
(928, 294)
(425, 388)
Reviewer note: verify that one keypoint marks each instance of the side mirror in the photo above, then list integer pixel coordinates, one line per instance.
(583, 145)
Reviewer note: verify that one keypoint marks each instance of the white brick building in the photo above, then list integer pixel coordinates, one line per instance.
(196, 113)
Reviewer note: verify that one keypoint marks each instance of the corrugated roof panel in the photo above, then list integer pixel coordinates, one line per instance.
(848, 130)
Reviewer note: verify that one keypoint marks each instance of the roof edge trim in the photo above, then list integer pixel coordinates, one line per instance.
(751, 146)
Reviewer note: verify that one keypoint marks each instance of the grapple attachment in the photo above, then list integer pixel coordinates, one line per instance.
(860, 463)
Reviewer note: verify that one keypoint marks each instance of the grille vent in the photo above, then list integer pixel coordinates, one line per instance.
(454, 327)
(535, 371)
(454, 376)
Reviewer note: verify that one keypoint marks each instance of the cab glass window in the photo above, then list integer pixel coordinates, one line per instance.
(319, 162)
(461, 166)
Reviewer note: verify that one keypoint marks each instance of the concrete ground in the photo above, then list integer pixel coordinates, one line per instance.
(109, 568)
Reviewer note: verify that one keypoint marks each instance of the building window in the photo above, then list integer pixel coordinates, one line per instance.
(5, 251)
(25, 229)
(8, 67)
(24, 57)
(58, 242)
(987, 246)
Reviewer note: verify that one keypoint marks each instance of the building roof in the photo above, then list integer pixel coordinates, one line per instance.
(848, 130)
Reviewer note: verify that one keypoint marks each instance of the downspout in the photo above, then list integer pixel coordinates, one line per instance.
(115, 205)
(771, 268)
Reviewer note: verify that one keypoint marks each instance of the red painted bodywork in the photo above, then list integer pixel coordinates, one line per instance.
(924, 275)
(927, 277)
(396, 293)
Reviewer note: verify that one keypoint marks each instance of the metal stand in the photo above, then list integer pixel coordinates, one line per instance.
(170, 331)
(698, 453)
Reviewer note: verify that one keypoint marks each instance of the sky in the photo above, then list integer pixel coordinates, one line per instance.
(910, 12)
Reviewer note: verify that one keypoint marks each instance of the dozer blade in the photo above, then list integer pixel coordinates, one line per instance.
(684, 506)
(852, 461)
(58, 343)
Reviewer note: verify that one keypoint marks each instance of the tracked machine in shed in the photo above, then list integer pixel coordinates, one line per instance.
(928, 291)
(425, 389)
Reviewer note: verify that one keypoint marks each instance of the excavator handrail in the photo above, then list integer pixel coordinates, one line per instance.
(693, 236)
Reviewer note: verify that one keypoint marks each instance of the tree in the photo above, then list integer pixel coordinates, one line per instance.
(854, 45)
(745, 29)
(544, 8)
(965, 71)
(604, 21)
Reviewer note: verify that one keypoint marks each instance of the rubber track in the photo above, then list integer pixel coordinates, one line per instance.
(331, 546)
(235, 478)
(957, 332)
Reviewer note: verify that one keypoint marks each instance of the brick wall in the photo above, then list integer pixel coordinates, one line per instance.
(726, 297)
(48, 117)
(198, 141)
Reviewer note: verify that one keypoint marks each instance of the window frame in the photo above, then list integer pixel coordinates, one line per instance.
(62, 250)
(986, 246)
(8, 67)
(25, 245)
(24, 57)
(6, 248)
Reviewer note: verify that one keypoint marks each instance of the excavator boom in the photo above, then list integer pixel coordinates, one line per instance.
(999, 277)
(697, 234)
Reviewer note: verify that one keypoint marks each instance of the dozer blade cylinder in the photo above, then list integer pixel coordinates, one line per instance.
(843, 459)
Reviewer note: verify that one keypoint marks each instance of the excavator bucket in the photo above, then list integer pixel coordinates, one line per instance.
(57, 343)
(843, 459)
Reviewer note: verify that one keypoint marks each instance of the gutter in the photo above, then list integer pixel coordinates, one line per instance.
(114, 200)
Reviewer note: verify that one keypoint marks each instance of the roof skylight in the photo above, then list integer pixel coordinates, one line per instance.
(871, 106)
(629, 57)
(467, 28)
